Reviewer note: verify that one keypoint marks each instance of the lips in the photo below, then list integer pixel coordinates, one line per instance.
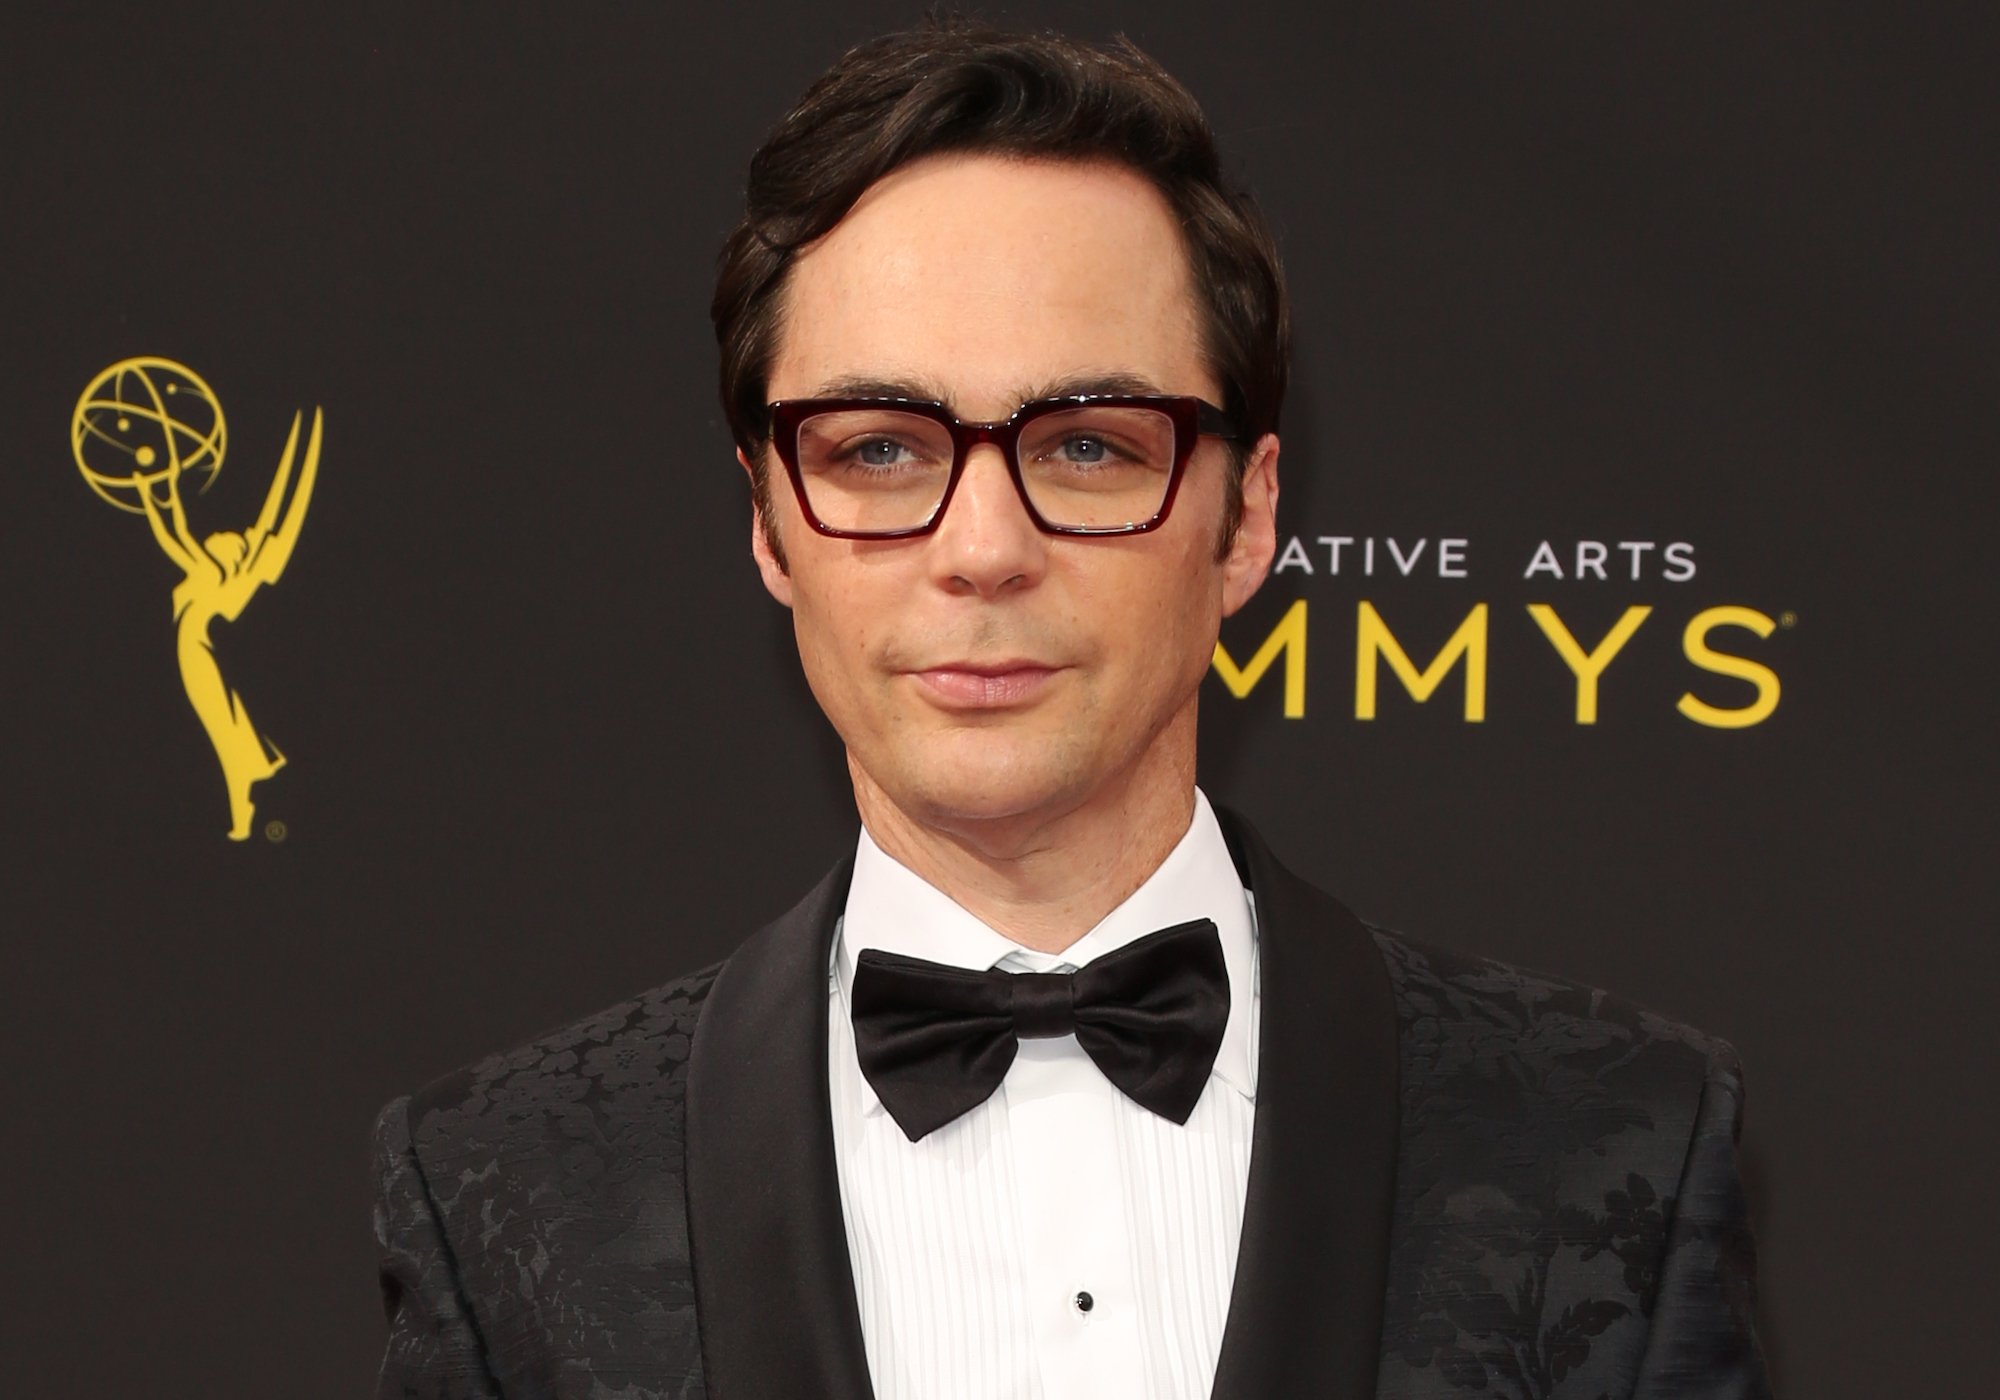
(985, 684)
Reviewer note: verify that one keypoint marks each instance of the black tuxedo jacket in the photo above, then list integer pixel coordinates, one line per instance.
(1464, 1179)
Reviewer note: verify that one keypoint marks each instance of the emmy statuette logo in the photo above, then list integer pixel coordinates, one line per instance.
(143, 431)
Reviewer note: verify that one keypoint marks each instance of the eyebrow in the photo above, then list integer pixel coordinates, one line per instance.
(930, 390)
(1101, 382)
(866, 387)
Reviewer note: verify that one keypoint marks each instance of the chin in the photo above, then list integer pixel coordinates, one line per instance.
(988, 781)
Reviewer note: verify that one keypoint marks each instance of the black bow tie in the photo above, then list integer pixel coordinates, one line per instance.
(935, 1041)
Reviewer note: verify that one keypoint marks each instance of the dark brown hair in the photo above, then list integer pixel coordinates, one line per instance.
(954, 86)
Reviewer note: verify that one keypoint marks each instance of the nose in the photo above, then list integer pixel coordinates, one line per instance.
(986, 544)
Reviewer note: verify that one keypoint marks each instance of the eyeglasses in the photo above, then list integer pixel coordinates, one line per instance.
(1088, 464)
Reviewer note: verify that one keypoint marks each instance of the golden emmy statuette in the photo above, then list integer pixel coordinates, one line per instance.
(141, 432)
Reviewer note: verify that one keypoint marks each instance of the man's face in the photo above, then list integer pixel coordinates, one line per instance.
(988, 671)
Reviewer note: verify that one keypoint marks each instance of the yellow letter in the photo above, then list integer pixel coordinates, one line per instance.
(1289, 636)
(1695, 642)
(1588, 668)
(1373, 640)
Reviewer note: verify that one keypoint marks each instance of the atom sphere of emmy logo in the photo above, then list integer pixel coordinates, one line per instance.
(145, 421)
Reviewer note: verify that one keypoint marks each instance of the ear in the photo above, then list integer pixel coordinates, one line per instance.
(1256, 542)
(777, 582)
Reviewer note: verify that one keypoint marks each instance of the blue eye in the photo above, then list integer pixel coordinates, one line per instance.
(1084, 449)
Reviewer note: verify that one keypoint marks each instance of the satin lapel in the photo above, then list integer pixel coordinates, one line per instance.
(1305, 1311)
(774, 1289)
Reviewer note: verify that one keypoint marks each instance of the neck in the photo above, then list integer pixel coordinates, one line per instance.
(1044, 878)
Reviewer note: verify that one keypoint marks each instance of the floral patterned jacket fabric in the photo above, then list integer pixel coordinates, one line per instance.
(1570, 1221)
(1567, 1223)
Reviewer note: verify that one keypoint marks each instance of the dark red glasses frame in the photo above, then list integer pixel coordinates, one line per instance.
(1192, 418)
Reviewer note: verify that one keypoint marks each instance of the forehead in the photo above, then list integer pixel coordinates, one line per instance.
(984, 279)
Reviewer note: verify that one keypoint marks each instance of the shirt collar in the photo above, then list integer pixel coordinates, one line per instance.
(892, 908)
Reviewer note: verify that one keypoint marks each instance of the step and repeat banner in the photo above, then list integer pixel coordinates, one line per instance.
(388, 680)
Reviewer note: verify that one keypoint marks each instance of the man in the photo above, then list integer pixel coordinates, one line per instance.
(1061, 1085)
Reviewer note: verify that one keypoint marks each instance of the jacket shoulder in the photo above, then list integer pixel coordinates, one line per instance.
(621, 1059)
(1535, 1018)
(1534, 1069)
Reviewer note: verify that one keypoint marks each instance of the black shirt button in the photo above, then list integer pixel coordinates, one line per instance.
(1084, 1302)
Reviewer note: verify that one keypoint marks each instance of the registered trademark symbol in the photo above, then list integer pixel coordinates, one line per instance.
(275, 831)
(1788, 618)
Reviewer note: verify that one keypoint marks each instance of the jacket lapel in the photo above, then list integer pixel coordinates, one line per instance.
(773, 1283)
(774, 1289)
(1305, 1311)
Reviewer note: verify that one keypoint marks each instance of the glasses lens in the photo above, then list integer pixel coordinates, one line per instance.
(873, 469)
(1098, 467)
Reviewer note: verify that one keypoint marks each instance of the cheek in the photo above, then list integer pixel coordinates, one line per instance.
(831, 634)
(1158, 620)
(846, 619)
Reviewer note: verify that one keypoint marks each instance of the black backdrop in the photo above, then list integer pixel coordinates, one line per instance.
(1647, 273)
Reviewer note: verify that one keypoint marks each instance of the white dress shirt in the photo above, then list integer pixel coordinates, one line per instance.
(973, 1248)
